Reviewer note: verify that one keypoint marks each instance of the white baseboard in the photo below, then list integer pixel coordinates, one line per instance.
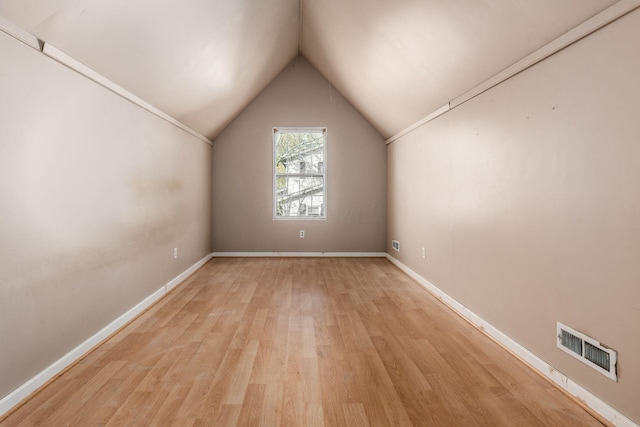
(597, 405)
(18, 395)
(298, 254)
(600, 407)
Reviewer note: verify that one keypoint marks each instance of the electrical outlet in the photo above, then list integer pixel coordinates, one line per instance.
(424, 253)
(302, 234)
(175, 253)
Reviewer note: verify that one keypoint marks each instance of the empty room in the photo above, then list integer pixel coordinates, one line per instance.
(320, 213)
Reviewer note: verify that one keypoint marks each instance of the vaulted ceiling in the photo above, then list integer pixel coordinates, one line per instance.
(203, 61)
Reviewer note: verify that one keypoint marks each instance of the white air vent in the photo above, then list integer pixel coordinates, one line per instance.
(587, 350)
(395, 245)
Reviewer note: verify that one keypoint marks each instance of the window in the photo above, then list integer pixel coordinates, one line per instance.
(299, 178)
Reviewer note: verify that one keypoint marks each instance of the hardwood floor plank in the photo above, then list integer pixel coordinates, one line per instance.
(311, 389)
(391, 402)
(228, 415)
(271, 413)
(355, 415)
(252, 405)
(459, 402)
(260, 369)
(240, 380)
(366, 385)
(313, 415)
(293, 404)
(216, 390)
(299, 341)
(308, 337)
(334, 377)
(171, 405)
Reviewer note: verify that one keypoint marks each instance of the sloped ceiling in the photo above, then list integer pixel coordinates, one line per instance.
(200, 61)
(203, 61)
(398, 61)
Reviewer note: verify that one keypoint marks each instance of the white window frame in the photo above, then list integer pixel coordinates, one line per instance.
(275, 132)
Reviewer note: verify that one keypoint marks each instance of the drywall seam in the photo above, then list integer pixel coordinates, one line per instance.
(66, 60)
(298, 254)
(19, 34)
(566, 383)
(588, 27)
(14, 398)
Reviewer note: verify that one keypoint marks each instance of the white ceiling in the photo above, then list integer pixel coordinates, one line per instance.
(203, 61)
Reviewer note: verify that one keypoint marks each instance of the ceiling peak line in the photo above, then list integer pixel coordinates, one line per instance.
(588, 27)
(299, 27)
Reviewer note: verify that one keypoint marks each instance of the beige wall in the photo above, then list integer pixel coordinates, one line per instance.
(242, 168)
(527, 201)
(94, 195)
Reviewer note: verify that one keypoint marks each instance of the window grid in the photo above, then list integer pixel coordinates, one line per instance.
(299, 173)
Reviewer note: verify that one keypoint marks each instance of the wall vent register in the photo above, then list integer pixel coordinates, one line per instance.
(587, 350)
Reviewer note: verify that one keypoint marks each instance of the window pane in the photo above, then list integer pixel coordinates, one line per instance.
(299, 152)
(300, 196)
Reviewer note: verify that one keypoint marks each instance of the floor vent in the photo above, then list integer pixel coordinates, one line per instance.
(587, 350)
(395, 245)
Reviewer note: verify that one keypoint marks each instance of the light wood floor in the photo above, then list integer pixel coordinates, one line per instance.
(294, 341)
